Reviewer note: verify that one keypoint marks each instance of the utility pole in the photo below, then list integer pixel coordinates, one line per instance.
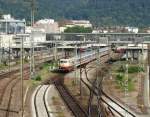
(75, 63)
(149, 59)
(148, 73)
(32, 63)
(21, 60)
(22, 36)
(32, 12)
(55, 50)
(80, 74)
(32, 55)
(32, 60)
(0, 50)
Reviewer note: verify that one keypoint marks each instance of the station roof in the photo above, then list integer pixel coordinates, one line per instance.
(132, 47)
(72, 47)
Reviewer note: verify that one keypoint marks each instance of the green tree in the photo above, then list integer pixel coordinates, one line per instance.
(78, 29)
(99, 12)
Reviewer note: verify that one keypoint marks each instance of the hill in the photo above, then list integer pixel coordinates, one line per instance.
(100, 12)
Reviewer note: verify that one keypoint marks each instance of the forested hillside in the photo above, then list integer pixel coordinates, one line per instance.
(100, 12)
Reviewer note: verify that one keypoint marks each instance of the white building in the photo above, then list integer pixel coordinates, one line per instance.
(6, 41)
(71, 23)
(132, 29)
(36, 35)
(49, 25)
(84, 23)
(9, 25)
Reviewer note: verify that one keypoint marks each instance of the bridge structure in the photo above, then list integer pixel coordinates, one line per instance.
(118, 38)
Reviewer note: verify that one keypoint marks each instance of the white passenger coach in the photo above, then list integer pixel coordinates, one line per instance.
(83, 58)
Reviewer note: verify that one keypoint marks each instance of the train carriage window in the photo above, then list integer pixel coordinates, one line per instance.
(63, 61)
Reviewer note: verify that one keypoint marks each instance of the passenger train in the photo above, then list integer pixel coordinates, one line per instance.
(83, 58)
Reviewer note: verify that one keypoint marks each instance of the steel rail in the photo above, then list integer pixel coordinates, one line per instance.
(70, 101)
(44, 101)
(104, 94)
(10, 97)
(36, 110)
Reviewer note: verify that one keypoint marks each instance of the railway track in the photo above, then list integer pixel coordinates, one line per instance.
(5, 87)
(121, 110)
(7, 81)
(70, 101)
(12, 72)
(10, 94)
(39, 100)
(108, 101)
(13, 84)
(117, 108)
(26, 66)
(5, 107)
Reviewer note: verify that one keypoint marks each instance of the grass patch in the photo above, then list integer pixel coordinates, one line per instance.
(18, 61)
(131, 69)
(122, 81)
(38, 78)
(135, 69)
(35, 83)
(50, 66)
(2, 66)
(73, 83)
(43, 74)
(130, 86)
(46, 65)
(45, 71)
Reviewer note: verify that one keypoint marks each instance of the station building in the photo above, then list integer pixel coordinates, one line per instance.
(9, 25)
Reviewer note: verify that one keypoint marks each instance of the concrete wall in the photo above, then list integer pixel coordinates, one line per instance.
(6, 40)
